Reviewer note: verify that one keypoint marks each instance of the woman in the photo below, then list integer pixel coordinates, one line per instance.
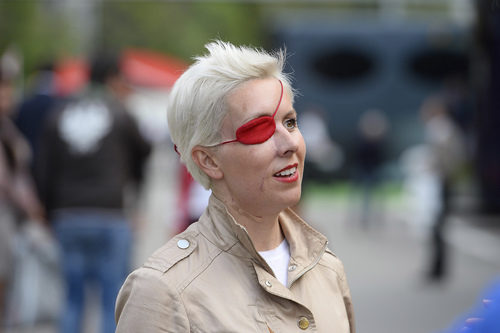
(249, 264)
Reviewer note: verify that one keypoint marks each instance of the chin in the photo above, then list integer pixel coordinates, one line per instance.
(293, 199)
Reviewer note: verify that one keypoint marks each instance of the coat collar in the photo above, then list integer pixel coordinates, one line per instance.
(219, 227)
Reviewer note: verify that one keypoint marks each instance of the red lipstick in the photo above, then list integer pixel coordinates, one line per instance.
(286, 177)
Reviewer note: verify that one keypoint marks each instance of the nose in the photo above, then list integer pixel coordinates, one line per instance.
(287, 142)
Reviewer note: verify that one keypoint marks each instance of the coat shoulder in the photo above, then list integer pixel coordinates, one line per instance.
(152, 293)
(183, 257)
(331, 261)
(174, 251)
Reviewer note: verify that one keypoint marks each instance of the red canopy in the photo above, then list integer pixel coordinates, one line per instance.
(140, 67)
(147, 68)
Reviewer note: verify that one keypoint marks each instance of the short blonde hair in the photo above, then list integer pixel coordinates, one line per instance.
(197, 103)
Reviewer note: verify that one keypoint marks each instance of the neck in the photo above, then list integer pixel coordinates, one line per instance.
(264, 231)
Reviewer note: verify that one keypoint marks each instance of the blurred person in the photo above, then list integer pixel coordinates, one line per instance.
(91, 151)
(445, 142)
(369, 157)
(32, 112)
(324, 155)
(421, 186)
(18, 201)
(250, 263)
(459, 99)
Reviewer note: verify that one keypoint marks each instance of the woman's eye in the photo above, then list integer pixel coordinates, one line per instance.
(291, 123)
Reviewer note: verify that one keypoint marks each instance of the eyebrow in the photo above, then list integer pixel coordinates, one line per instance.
(291, 112)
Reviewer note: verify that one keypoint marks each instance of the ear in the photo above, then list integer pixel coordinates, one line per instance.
(206, 161)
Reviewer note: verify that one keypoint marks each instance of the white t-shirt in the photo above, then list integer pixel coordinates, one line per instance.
(278, 259)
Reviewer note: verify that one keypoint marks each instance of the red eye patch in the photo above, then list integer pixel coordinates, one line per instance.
(257, 130)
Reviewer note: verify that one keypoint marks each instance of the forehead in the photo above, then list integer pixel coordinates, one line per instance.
(254, 97)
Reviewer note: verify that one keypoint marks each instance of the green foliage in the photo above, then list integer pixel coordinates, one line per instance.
(177, 28)
(38, 34)
(43, 30)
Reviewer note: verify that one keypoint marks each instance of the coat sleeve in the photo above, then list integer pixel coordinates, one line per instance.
(146, 303)
(346, 294)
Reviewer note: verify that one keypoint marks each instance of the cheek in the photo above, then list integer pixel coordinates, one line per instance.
(301, 151)
(250, 166)
(246, 166)
(258, 161)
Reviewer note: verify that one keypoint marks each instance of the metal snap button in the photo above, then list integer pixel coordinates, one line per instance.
(303, 323)
(292, 268)
(183, 244)
(268, 283)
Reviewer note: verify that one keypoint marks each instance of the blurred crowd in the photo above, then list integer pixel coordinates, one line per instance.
(74, 161)
(67, 162)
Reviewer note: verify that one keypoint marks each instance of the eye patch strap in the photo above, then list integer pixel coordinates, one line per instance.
(279, 102)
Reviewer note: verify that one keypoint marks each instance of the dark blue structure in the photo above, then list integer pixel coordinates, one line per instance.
(349, 65)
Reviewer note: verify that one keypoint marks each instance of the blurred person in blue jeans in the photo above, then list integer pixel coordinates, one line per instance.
(91, 151)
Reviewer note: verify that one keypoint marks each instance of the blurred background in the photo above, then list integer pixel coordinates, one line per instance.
(397, 101)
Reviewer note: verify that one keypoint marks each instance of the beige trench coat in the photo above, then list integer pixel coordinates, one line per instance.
(210, 278)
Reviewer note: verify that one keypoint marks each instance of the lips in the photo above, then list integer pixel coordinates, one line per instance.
(288, 173)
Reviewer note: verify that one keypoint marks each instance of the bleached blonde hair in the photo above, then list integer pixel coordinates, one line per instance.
(197, 103)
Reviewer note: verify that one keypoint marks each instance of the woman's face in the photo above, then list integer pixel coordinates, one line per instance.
(262, 178)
